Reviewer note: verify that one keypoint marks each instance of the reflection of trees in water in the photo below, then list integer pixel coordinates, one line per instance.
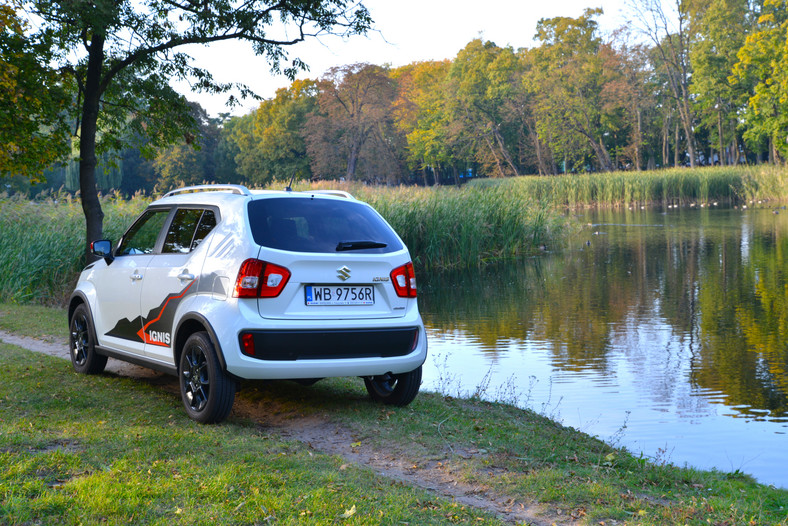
(716, 279)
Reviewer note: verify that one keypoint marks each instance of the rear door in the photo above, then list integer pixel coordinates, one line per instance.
(171, 276)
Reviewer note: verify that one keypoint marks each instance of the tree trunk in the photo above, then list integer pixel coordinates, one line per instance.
(492, 152)
(504, 151)
(352, 160)
(723, 160)
(666, 144)
(91, 206)
(686, 121)
(638, 140)
(603, 155)
(676, 147)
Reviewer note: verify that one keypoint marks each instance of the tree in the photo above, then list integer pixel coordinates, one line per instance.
(670, 34)
(572, 71)
(763, 63)
(121, 55)
(34, 131)
(270, 140)
(722, 27)
(420, 113)
(191, 160)
(480, 80)
(354, 113)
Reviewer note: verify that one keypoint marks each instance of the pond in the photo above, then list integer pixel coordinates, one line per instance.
(664, 331)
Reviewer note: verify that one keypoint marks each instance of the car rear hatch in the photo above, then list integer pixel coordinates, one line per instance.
(337, 254)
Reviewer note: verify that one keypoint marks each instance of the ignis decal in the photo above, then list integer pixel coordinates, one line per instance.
(156, 337)
(155, 326)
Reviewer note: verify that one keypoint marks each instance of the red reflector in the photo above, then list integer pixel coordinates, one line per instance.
(247, 344)
(404, 280)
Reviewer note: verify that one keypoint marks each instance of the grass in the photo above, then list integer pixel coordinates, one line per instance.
(673, 186)
(43, 244)
(77, 449)
(89, 450)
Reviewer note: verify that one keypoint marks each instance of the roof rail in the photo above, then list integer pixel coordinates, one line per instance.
(232, 188)
(335, 193)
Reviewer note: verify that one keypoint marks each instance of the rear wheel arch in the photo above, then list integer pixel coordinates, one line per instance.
(190, 324)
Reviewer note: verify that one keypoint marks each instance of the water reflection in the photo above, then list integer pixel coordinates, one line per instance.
(671, 323)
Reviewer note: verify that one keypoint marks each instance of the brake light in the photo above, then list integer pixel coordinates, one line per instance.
(260, 279)
(404, 280)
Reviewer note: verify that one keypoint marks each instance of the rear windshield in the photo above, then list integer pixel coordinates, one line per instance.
(320, 225)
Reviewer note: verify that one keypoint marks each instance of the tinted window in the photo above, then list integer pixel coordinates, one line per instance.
(318, 225)
(141, 237)
(207, 222)
(188, 228)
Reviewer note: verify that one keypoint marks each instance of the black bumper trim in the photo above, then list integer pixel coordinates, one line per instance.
(280, 345)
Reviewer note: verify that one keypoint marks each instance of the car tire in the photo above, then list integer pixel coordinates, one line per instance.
(394, 389)
(206, 390)
(82, 343)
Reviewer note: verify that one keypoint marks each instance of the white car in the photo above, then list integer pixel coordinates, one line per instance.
(219, 283)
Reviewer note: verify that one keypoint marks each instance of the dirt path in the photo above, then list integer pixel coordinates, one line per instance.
(328, 437)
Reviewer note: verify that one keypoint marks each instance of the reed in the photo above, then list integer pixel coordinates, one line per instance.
(42, 244)
(736, 184)
(450, 227)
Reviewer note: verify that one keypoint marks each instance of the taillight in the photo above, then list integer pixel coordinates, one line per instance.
(260, 279)
(404, 280)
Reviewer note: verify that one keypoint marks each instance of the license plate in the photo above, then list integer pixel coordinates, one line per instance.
(339, 295)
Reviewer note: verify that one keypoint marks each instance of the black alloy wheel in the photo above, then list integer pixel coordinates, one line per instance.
(207, 392)
(82, 345)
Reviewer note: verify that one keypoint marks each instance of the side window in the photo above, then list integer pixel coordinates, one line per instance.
(207, 222)
(179, 237)
(189, 227)
(141, 237)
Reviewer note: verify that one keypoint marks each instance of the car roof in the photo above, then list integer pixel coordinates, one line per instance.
(227, 194)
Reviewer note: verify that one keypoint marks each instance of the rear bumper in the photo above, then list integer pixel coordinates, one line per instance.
(291, 345)
(324, 354)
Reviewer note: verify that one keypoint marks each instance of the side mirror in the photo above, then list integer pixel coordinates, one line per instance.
(102, 248)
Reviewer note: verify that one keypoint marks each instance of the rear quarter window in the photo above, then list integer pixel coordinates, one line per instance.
(319, 225)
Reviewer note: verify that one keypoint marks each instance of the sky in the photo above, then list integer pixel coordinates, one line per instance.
(406, 31)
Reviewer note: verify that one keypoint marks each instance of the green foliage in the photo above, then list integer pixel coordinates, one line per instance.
(763, 62)
(574, 84)
(722, 27)
(34, 129)
(269, 141)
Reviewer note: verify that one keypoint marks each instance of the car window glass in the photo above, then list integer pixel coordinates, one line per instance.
(181, 231)
(141, 237)
(318, 225)
(207, 222)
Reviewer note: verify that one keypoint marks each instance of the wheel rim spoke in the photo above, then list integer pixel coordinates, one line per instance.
(195, 378)
(79, 338)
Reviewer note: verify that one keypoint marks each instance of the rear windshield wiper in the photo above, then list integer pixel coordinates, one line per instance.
(359, 245)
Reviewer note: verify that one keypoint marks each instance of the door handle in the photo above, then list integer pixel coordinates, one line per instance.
(185, 276)
(136, 277)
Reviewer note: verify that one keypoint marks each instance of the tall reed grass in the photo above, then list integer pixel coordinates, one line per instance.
(678, 186)
(42, 244)
(42, 241)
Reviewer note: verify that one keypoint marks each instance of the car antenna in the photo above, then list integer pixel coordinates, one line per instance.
(289, 187)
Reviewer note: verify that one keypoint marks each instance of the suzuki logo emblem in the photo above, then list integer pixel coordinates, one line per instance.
(343, 273)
